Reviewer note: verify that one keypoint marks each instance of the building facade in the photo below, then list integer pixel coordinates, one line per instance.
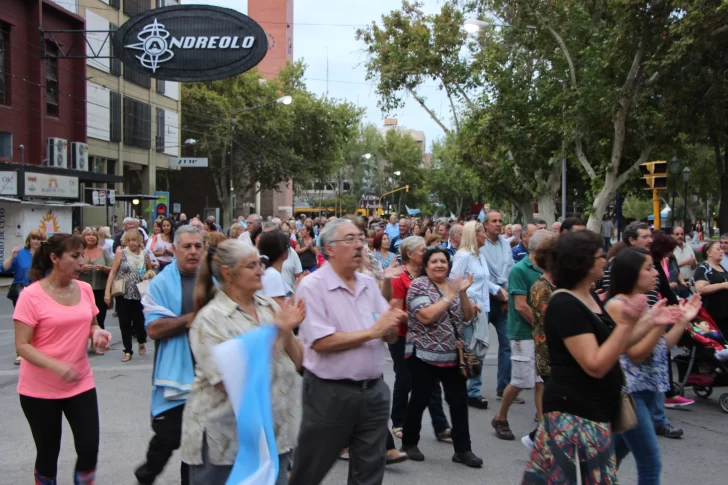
(133, 121)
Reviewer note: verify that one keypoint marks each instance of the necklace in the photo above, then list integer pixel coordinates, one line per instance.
(60, 295)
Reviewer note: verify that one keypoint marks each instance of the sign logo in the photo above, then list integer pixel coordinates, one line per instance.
(153, 42)
(49, 223)
(190, 43)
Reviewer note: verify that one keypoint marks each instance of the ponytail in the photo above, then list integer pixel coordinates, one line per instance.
(204, 286)
(229, 253)
(57, 244)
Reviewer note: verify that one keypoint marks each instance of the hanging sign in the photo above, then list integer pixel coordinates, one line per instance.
(189, 43)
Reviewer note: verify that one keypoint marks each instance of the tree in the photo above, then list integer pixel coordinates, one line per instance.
(621, 63)
(452, 182)
(401, 153)
(270, 143)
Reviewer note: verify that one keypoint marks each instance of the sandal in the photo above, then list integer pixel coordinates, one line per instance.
(397, 432)
(395, 456)
(444, 435)
(126, 357)
(344, 454)
(142, 349)
(502, 429)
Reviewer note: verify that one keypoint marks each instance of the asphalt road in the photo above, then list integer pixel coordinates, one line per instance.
(124, 399)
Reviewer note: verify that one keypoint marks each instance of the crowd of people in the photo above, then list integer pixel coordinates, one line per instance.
(584, 323)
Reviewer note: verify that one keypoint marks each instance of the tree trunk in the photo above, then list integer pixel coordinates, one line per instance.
(723, 171)
(547, 208)
(549, 191)
(459, 206)
(601, 202)
(526, 210)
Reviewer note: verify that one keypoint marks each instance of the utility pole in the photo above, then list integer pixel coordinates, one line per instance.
(655, 179)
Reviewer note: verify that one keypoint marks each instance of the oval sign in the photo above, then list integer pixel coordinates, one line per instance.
(190, 43)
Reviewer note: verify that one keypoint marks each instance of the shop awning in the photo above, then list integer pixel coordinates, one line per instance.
(82, 175)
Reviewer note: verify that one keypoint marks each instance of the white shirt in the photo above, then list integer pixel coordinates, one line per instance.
(465, 263)
(274, 286)
(245, 237)
(291, 267)
(725, 261)
(681, 254)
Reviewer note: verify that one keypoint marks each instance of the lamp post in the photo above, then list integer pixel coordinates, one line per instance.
(674, 168)
(285, 100)
(686, 176)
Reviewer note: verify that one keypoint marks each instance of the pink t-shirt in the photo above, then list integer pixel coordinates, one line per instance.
(60, 332)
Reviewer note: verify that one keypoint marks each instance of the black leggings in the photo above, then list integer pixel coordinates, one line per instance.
(45, 419)
(101, 305)
(131, 317)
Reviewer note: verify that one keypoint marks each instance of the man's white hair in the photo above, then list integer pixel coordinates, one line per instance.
(328, 234)
(129, 220)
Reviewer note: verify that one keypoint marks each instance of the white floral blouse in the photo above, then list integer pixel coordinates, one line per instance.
(208, 411)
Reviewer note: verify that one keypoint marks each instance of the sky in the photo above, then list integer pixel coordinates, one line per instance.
(334, 35)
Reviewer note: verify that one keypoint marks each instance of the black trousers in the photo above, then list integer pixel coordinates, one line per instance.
(403, 386)
(45, 419)
(101, 305)
(167, 427)
(456, 395)
(131, 317)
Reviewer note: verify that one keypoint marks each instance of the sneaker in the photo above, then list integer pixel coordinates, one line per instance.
(413, 453)
(478, 402)
(444, 435)
(468, 459)
(528, 440)
(502, 429)
(669, 432)
(677, 402)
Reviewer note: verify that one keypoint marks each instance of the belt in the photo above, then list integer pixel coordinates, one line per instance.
(367, 384)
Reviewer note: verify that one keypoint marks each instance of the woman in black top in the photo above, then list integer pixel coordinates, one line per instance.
(582, 395)
(307, 249)
(711, 281)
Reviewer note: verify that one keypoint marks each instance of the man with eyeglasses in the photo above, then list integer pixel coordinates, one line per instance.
(684, 254)
(345, 398)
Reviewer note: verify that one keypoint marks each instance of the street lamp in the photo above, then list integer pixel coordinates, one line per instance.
(673, 166)
(686, 176)
(474, 25)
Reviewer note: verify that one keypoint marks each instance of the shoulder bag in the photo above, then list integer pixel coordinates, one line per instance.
(118, 287)
(470, 366)
(625, 418)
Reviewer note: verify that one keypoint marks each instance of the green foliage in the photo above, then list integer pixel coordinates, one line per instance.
(636, 208)
(451, 181)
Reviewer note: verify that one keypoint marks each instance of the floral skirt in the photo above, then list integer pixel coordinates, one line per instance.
(568, 447)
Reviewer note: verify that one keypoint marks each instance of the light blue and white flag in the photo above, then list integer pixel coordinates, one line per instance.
(412, 212)
(481, 216)
(245, 365)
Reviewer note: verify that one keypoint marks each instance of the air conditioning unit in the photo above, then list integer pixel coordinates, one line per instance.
(57, 153)
(79, 156)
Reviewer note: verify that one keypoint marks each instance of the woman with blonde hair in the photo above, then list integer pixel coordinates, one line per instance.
(105, 240)
(96, 266)
(236, 230)
(209, 431)
(214, 238)
(131, 265)
(469, 260)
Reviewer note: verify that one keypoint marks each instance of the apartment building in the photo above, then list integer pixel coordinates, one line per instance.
(133, 121)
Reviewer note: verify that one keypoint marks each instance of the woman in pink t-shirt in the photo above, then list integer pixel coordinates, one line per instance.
(54, 318)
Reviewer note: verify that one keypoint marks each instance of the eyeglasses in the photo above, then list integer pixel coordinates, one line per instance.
(254, 266)
(351, 240)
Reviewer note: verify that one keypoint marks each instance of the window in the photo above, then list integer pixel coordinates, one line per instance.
(115, 118)
(110, 170)
(51, 62)
(159, 139)
(134, 7)
(137, 78)
(114, 4)
(4, 64)
(160, 86)
(6, 145)
(137, 123)
(115, 62)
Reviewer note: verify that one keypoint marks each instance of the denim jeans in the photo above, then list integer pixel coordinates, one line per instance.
(403, 387)
(657, 409)
(499, 320)
(642, 440)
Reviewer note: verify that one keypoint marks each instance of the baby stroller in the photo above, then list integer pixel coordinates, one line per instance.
(697, 364)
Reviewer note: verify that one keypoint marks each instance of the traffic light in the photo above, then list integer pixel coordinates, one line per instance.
(655, 175)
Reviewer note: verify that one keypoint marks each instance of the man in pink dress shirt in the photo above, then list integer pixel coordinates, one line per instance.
(345, 399)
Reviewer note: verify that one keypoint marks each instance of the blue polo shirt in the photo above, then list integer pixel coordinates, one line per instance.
(519, 252)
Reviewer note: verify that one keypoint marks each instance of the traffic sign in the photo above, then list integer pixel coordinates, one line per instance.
(188, 162)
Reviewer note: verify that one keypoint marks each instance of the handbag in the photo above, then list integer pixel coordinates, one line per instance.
(14, 291)
(469, 364)
(625, 417)
(118, 287)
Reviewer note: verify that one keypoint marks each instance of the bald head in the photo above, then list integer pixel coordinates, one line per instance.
(526, 235)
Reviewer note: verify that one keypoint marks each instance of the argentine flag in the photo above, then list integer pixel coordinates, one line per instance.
(245, 365)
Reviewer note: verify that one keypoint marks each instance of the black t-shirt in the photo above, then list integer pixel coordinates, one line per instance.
(188, 292)
(716, 304)
(570, 389)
